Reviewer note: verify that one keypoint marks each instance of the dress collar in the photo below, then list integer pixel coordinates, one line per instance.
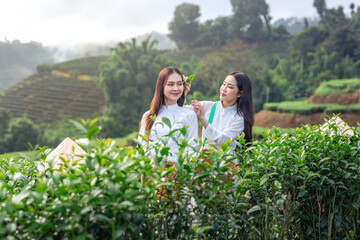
(232, 108)
(173, 106)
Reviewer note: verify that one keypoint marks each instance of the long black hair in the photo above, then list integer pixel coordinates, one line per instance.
(245, 106)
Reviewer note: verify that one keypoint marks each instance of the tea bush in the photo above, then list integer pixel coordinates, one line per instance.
(302, 184)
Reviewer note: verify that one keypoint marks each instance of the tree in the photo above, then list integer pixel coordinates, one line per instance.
(320, 6)
(355, 29)
(184, 26)
(306, 23)
(21, 133)
(352, 7)
(128, 79)
(248, 18)
(214, 32)
(5, 116)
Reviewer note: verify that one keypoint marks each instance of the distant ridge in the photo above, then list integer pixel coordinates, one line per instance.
(69, 91)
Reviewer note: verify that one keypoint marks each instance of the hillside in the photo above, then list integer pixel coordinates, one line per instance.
(333, 97)
(68, 91)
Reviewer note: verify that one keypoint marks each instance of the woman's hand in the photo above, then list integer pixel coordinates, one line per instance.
(199, 112)
(197, 108)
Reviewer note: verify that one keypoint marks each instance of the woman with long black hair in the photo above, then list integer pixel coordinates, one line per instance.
(232, 115)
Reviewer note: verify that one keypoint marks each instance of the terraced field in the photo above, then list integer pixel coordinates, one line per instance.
(49, 97)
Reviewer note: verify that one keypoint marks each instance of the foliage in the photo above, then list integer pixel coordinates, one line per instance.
(184, 26)
(303, 184)
(20, 134)
(214, 32)
(301, 107)
(320, 6)
(248, 19)
(338, 86)
(83, 66)
(5, 117)
(260, 132)
(53, 133)
(128, 80)
(44, 68)
(294, 25)
(308, 184)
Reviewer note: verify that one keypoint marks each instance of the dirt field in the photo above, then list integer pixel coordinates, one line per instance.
(268, 119)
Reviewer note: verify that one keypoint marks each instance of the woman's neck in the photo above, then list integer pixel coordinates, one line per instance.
(226, 104)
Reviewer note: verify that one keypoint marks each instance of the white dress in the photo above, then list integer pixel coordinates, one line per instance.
(179, 117)
(226, 124)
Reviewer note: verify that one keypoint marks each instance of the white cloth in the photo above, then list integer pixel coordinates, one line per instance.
(179, 117)
(227, 123)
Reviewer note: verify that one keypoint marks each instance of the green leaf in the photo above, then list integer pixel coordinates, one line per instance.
(165, 151)
(183, 131)
(16, 199)
(254, 209)
(153, 118)
(190, 78)
(93, 122)
(166, 121)
(78, 126)
(92, 132)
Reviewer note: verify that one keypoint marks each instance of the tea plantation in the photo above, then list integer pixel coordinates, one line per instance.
(304, 184)
(64, 90)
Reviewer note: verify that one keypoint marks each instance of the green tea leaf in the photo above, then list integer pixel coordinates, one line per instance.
(166, 121)
(190, 78)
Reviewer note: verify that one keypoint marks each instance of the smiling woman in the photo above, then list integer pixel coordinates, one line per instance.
(167, 114)
(232, 115)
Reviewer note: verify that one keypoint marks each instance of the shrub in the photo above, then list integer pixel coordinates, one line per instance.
(21, 133)
(44, 68)
(302, 185)
(354, 108)
(335, 108)
(271, 106)
(336, 86)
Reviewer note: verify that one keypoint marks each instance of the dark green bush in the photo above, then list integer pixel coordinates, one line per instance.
(335, 108)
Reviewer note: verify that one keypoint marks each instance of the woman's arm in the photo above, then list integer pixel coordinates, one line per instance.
(234, 128)
(198, 108)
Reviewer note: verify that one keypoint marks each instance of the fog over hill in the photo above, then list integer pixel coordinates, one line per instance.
(67, 52)
(18, 60)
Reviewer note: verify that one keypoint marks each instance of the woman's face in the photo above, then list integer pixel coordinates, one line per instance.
(229, 92)
(173, 89)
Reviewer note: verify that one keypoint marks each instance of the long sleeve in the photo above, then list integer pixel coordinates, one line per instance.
(231, 131)
(226, 124)
(192, 131)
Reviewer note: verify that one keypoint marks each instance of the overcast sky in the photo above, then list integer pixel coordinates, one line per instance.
(54, 22)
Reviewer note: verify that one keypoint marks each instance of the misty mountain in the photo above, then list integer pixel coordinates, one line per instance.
(18, 60)
(294, 24)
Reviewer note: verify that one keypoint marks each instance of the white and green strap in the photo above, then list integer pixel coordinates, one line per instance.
(212, 113)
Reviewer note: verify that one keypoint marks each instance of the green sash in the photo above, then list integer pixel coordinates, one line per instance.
(213, 109)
